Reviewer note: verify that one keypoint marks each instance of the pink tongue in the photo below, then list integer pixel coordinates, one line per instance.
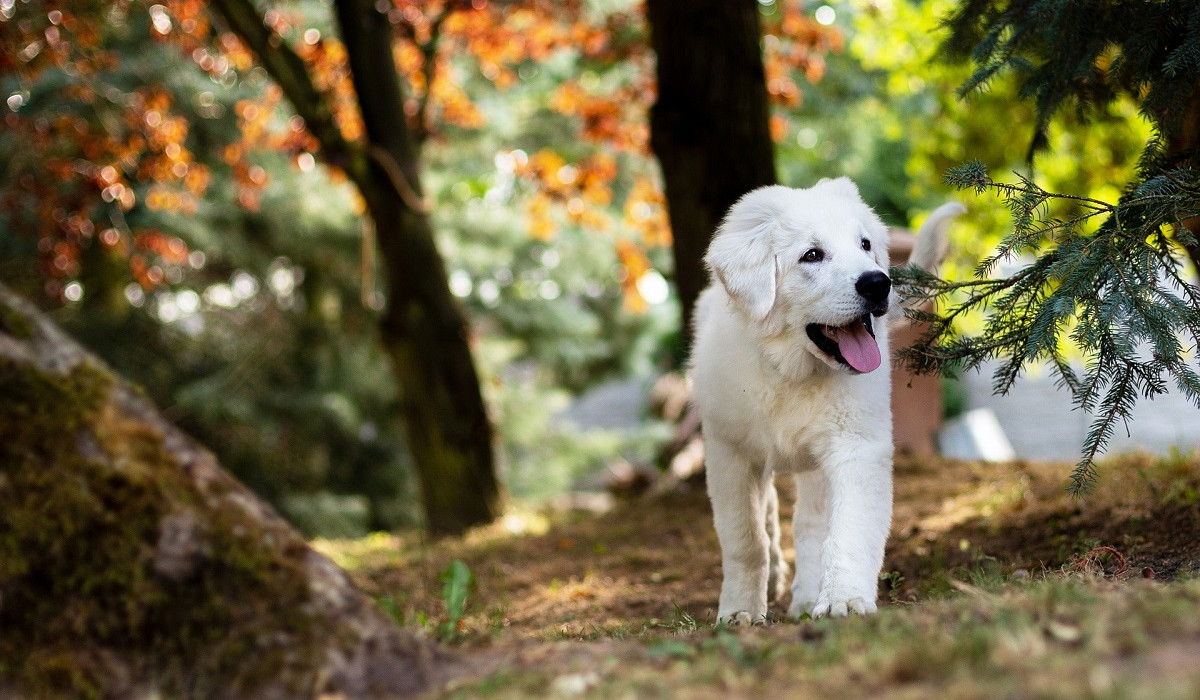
(858, 347)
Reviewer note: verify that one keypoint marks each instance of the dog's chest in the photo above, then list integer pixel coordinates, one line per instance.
(797, 420)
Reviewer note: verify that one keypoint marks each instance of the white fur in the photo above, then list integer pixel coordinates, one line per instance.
(770, 401)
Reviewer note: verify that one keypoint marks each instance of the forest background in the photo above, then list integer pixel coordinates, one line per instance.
(161, 196)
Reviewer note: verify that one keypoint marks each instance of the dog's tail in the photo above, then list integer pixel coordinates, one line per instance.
(932, 242)
(930, 249)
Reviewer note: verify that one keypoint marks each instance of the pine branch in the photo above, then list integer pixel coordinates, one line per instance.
(1082, 53)
(1117, 293)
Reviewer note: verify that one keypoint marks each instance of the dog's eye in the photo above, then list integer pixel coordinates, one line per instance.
(813, 255)
(866, 244)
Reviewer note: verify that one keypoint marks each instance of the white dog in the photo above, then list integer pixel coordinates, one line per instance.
(790, 373)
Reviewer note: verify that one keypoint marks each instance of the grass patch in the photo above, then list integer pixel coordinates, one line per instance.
(996, 584)
(1054, 637)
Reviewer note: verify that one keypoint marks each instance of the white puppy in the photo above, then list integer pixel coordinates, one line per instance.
(790, 372)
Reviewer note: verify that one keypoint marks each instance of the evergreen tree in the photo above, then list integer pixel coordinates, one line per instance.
(1111, 278)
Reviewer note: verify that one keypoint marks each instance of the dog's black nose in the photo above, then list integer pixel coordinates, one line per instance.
(874, 286)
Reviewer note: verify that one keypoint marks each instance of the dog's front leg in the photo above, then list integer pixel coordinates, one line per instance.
(738, 492)
(859, 480)
(810, 523)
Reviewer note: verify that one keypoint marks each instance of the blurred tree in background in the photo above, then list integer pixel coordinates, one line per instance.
(710, 125)
(179, 214)
(422, 329)
(190, 265)
(238, 136)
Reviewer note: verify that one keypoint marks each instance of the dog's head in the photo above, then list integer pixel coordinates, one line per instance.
(814, 259)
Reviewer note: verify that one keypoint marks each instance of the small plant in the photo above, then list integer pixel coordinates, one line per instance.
(391, 607)
(683, 622)
(456, 584)
(893, 580)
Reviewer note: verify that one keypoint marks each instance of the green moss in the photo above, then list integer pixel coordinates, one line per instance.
(14, 323)
(83, 493)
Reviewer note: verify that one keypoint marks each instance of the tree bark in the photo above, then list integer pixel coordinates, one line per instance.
(710, 125)
(132, 566)
(423, 329)
(1183, 148)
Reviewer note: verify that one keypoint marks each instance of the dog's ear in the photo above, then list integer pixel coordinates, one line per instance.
(741, 255)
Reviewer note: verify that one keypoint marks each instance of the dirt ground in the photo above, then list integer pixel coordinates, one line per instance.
(654, 562)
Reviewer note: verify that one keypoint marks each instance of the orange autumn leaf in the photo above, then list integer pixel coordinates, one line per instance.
(646, 212)
(635, 264)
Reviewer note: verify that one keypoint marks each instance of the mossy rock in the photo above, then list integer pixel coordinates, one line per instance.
(14, 323)
(131, 565)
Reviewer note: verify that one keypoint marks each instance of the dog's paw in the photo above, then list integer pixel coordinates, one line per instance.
(840, 606)
(800, 608)
(742, 618)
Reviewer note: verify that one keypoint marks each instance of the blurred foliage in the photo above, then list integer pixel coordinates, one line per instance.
(256, 328)
(1103, 273)
(889, 114)
(904, 125)
(219, 266)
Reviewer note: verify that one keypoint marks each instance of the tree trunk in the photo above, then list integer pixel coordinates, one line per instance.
(132, 566)
(1183, 149)
(424, 329)
(710, 126)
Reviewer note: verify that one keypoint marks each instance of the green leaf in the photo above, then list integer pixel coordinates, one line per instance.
(456, 584)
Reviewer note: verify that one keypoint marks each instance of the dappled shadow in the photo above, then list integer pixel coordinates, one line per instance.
(646, 562)
(964, 520)
(654, 562)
